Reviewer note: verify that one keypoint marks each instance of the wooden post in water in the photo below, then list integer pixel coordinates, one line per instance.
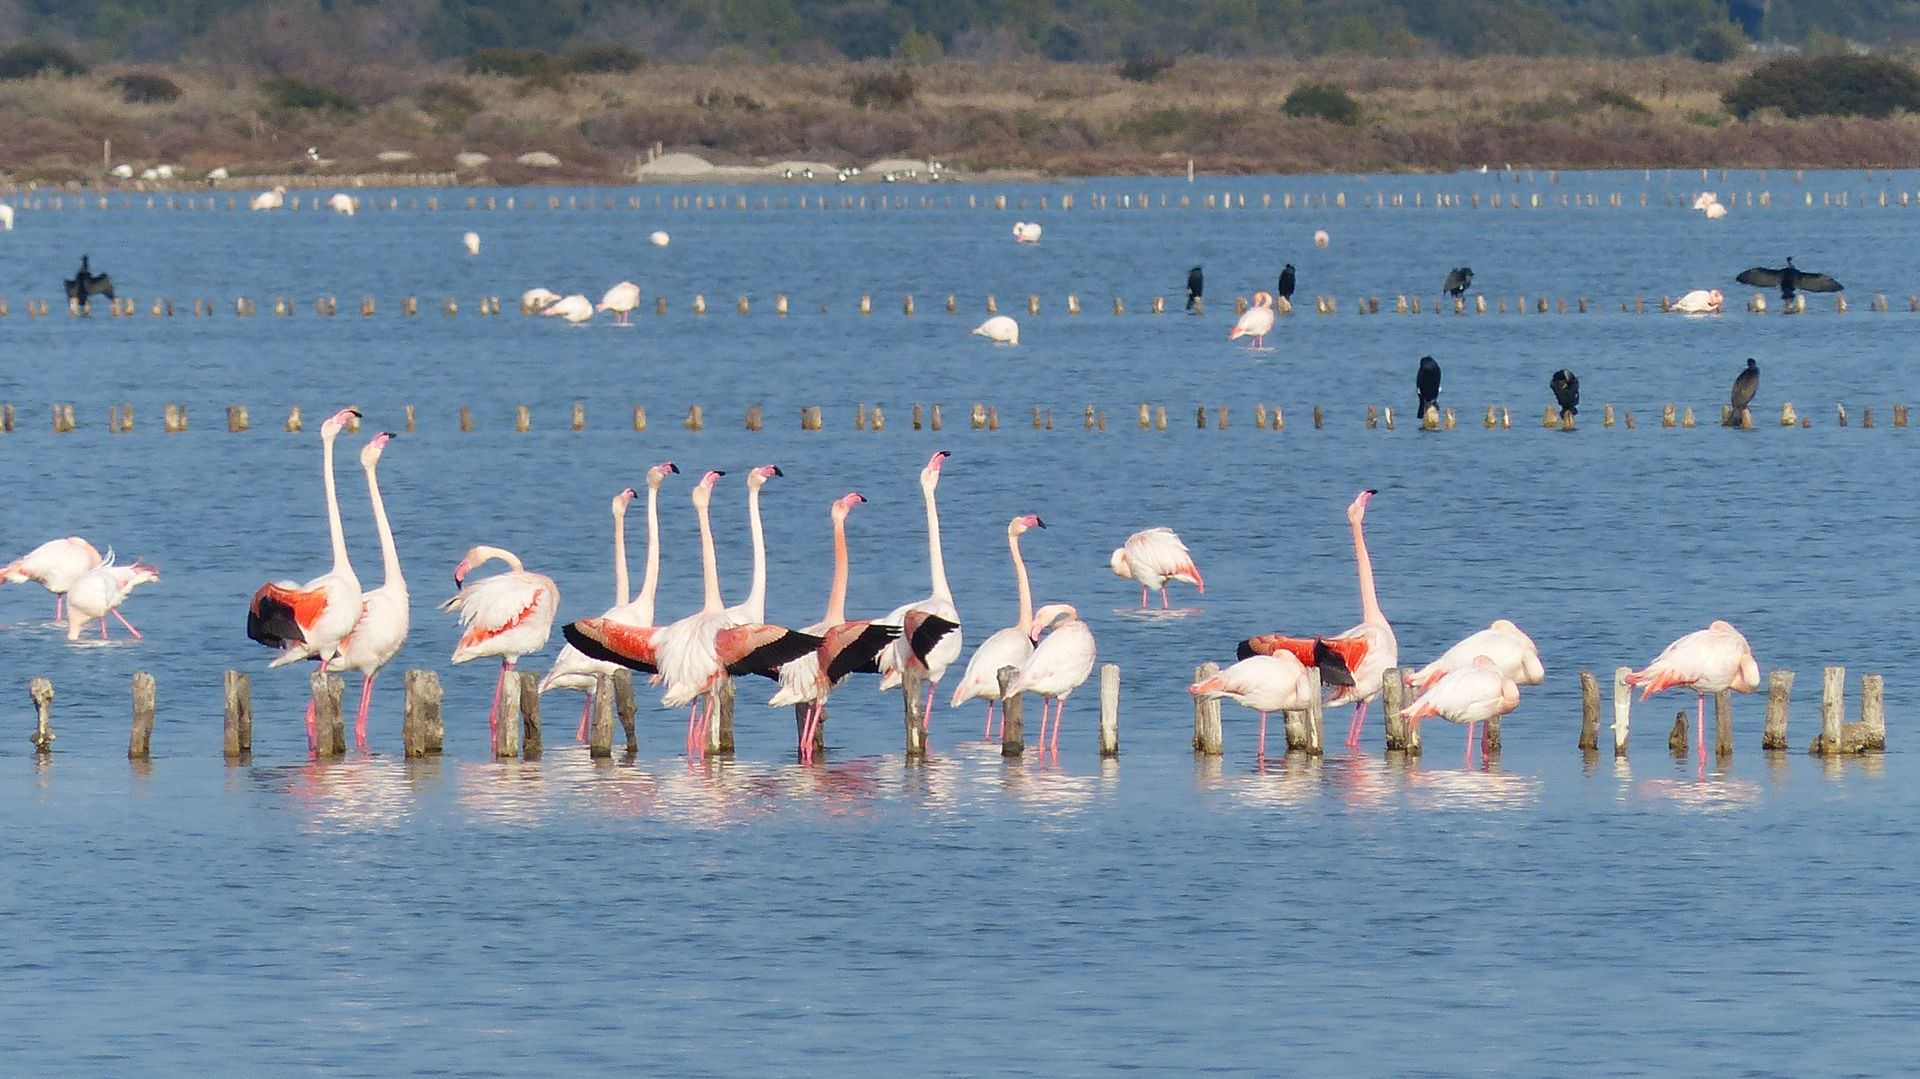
(1589, 711)
(140, 742)
(1109, 710)
(1723, 723)
(506, 731)
(41, 691)
(330, 730)
(1316, 720)
(1677, 737)
(624, 702)
(421, 718)
(1013, 731)
(720, 726)
(1833, 710)
(1779, 692)
(600, 729)
(1206, 714)
(531, 745)
(913, 692)
(1622, 710)
(1393, 693)
(1873, 712)
(238, 729)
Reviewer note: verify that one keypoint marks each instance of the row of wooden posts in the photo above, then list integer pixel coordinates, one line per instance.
(983, 416)
(518, 733)
(1305, 729)
(489, 306)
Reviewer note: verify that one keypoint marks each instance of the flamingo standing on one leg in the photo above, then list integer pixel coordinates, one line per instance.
(1471, 694)
(55, 565)
(1705, 661)
(1009, 647)
(310, 620)
(1153, 557)
(1256, 322)
(100, 592)
(507, 615)
(1276, 683)
(911, 616)
(1356, 661)
(1503, 642)
(845, 647)
(385, 612)
(1058, 666)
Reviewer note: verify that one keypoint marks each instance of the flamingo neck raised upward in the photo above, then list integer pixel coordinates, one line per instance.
(937, 563)
(837, 595)
(1369, 603)
(709, 565)
(389, 554)
(620, 583)
(341, 567)
(755, 607)
(650, 583)
(1020, 577)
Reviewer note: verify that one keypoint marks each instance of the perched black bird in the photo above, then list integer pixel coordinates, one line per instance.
(1790, 278)
(1284, 289)
(1427, 382)
(1196, 284)
(86, 284)
(1745, 385)
(1459, 280)
(1566, 390)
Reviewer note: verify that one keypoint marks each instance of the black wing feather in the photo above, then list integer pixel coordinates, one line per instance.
(863, 655)
(593, 649)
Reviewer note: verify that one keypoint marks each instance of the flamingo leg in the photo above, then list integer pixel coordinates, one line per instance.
(1143, 597)
(693, 719)
(1059, 707)
(124, 622)
(586, 709)
(313, 733)
(1263, 736)
(1164, 605)
(103, 629)
(1469, 743)
(986, 732)
(360, 720)
(1700, 726)
(1359, 724)
(493, 714)
(59, 606)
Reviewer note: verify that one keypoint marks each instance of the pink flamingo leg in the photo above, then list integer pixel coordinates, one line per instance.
(1359, 724)
(1164, 605)
(585, 709)
(313, 733)
(693, 718)
(124, 622)
(1059, 706)
(1700, 726)
(1263, 736)
(1469, 743)
(103, 629)
(360, 720)
(493, 714)
(926, 713)
(1143, 597)
(59, 605)
(986, 732)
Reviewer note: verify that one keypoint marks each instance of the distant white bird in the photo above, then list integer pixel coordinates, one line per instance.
(535, 300)
(1000, 329)
(6, 217)
(1705, 199)
(121, 172)
(472, 242)
(1255, 323)
(1320, 238)
(807, 173)
(101, 591)
(149, 173)
(340, 204)
(659, 239)
(313, 153)
(1026, 232)
(1716, 212)
(575, 309)
(165, 172)
(1701, 301)
(621, 299)
(270, 200)
(218, 174)
(1154, 556)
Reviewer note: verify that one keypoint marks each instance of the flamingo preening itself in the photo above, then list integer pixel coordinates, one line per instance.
(55, 565)
(307, 621)
(1705, 661)
(1266, 684)
(939, 604)
(1472, 694)
(1059, 665)
(1256, 322)
(1153, 557)
(621, 299)
(507, 615)
(1511, 650)
(385, 615)
(100, 591)
(1000, 329)
(1356, 662)
(1009, 647)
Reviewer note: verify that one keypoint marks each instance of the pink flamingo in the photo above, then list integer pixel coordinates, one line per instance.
(306, 621)
(385, 612)
(1356, 661)
(100, 591)
(1009, 647)
(1471, 694)
(1059, 665)
(55, 565)
(1705, 661)
(911, 617)
(507, 615)
(1256, 322)
(1503, 642)
(1276, 683)
(1152, 557)
(571, 668)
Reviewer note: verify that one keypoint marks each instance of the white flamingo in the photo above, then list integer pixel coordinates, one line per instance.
(535, 300)
(1705, 661)
(6, 217)
(100, 591)
(658, 238)
(1009, 647)
(575, 309)
(1471, 694)
(621, 299)
(1026, 232)
(1000, 329)
(1276, 683)
(1503, 642)
(269, 200)
(341, 203)
(939, 604)
(507, 615)
(1059, 664)
(1255, 322)
(1701, 301)
(385, 612)
(1152, 557)
(55, 565)
(471, 241)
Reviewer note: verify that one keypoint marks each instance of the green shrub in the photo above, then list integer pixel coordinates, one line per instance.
(293, 95)
(1599, 97)
(1827, 86)
(1145, 68)
(27, 61)
(141, 88)
(1719, 42)
(882, 89)
(605, 60)
(1322, 101)
(513, 63)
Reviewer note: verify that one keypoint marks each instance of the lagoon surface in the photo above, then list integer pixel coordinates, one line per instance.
(1538, 915)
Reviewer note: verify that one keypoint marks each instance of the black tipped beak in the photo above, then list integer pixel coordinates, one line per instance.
(859, 498)
(673, 468)
(456, 581)
(1039, 523)
(945, 454)
(388, 434)
(776, 471)
(354, 412)
(719, 472)
(1373, 491)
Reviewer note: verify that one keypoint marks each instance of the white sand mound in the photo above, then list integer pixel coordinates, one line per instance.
(539, 159)
(676, 164)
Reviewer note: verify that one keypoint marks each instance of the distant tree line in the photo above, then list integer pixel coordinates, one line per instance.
(272, 34)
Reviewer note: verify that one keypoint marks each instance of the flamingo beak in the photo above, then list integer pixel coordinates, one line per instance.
(1038, 523)
(459, 574)
(672, 468)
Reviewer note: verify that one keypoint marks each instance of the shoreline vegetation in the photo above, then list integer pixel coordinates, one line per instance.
(1031, 118)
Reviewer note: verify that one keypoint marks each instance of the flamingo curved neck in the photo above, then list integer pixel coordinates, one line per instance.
(709, 566)
(1020, 576)
(620, 584)
(756, 605)
(1369, 604)
(938, 564)
(389, 555)
(651, 582)
(338, 534)
(837, 597)
(488, 554)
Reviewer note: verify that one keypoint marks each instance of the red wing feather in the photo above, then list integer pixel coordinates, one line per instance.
(761, 649)
(1272, 644)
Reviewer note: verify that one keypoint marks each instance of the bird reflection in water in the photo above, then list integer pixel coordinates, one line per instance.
(364, 794)
(1488, 788)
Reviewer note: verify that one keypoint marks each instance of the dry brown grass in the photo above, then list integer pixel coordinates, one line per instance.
(1419, 114)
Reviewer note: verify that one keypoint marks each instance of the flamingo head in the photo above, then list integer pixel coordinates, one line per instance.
(370, 453)
(930, 475)
(1320, 238)
(657, 475)
(338, 420)
(758, 477)
(1020, 524)
(621, 500)
(1018, 228)
(477, 557)
(1357, 512)
(1263, 299)
(845, 503)
(703, 491)
(1049, 616)
(142, 573)
(1715, 298)
(1120, 564)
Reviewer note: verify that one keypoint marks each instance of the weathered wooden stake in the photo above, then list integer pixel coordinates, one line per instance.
(1316, 720)
(238, 729)
(1013, 731)
(1109, 710)
(913, 691)
(1677, 737)
(330, 730)
(624, 702)
(1833, 710)
(1206, 715)
(1779, 692)
(600, 729)
(506, 732)
(531, 745)
(1589, 711)
(1622, 710)
(41, 691)
(1393, 693)
(420, 718)
(720, 727)
(1723, 723)
(140, 742)
(1873, 712)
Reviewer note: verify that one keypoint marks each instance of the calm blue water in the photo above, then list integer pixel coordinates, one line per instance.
(1539, 916)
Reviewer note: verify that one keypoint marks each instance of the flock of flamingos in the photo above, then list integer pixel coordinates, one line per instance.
(333, 620)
